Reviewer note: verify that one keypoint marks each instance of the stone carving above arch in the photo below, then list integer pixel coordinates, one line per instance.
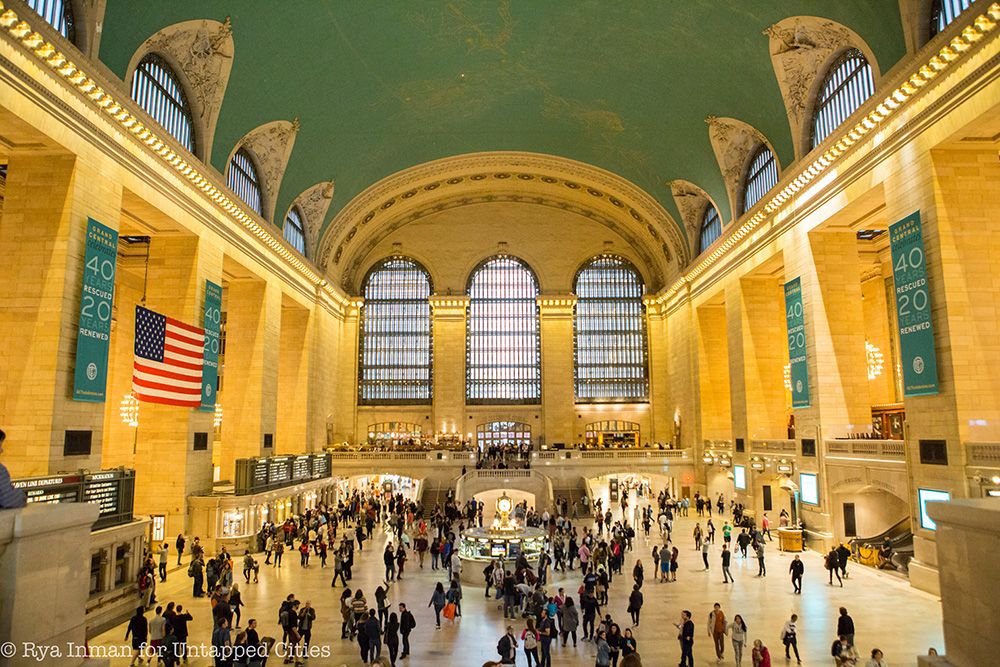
(507, 176)
(802, 49)
(271, 145)
(314, 202)
(201, 53)
(691, 202)
(734, 143)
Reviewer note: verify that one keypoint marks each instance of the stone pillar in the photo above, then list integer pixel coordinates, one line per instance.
(45, 547)
(449, 321)
(168, 469)
(968, 536)
(250, 382)
(346, 387)
(713, 373)
(294, 382)
(555, 315)
(659, 382)
(47, 201)
(682, 371)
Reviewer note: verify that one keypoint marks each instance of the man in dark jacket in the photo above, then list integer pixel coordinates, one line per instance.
(686, 638)
(374, 633)
(797, 568)
(635, 605)
(179, 622)
(406, 625)
(843, 555)
(138, 628)
(845, 626)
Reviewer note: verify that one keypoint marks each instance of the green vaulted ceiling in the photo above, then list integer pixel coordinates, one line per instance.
(383, 85)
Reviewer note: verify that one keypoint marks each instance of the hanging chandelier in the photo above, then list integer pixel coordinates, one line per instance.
(875, 360)
(129, 410)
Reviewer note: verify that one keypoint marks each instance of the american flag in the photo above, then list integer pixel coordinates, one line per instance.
(168, 360)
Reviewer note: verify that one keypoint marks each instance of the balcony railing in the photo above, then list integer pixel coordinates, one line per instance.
(886, 450)
(775, 446)
(638, 455)
(983, 454)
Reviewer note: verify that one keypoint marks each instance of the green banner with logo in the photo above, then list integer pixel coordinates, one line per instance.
(210, 370)
(913, 307)
(93, 335)
(796, 324)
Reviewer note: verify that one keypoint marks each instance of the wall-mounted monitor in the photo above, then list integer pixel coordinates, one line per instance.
(925, 496)
(808, 488)
(740, 477)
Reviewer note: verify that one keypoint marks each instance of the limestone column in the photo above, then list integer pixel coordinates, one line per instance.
(555, 314)
(250, 379)
(47, 201)
(659, 382)
(449, 322)
(294, 382)
(713, 373)
(346, 387)
(168, 468)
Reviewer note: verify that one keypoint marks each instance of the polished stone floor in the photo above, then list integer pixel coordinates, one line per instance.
(888, 613)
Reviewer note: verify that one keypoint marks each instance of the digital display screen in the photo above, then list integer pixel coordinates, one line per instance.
(925, 496)
(498, 550)
(808, 488)
(740, 477)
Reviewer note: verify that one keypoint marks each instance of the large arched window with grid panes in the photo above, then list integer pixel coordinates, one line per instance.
(711, 228)
(761, 176)
(609, 332)
(848, 83)
(295, 230)
(158, 91)
(503, 359)
(58, 14)
(395, 349)
(244, 180)
(943, 12)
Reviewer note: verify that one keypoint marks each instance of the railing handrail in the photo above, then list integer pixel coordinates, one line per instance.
(886, 448)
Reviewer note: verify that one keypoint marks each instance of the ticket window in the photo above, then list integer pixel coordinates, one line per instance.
(234, 523)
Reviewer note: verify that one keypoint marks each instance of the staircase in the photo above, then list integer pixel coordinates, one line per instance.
(573, 494)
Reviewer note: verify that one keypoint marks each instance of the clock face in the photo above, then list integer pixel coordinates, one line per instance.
(504, 504)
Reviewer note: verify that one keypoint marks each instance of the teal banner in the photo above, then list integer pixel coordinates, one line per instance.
(796, 324)
(210, 371)
(94, 332)
(913, 307)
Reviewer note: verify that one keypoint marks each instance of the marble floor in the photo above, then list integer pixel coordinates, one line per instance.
(888, 613)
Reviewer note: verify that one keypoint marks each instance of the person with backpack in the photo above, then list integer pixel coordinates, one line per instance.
(507, 647)
(406, 625)
(790, 639)
(529, 638)
(438, 601)
(717, 629)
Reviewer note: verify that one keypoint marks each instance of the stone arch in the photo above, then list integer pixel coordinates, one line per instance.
(503, 176)
(802, 49)
(201, 54)
(271, 145)
(313, 202)
(691, 201)
(734, 143)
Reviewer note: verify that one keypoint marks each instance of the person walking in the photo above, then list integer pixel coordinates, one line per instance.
(307, 617)
(789, 638)
(163, 561)
(507, 647)
(391, 638)
(686, 638)
(761, 570)
(570, 621)
(635, 605)
(547, 632)
(738, 635)
(797, 568)
(235, 602)
(529, 640)
(406, 625)
(704, 554)
(761, 656)
(438, 601)
(845, 626)
(717, 629)
(843, 555)
(832, 565)
(727, 557)
(346, 614)
(138, 629)
(179, 544)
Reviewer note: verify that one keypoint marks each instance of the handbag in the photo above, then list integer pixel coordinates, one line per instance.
(449, 611)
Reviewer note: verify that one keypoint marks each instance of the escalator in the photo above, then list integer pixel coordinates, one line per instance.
(865, 550)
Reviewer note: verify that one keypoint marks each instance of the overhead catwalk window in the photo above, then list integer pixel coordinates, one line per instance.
(711, 228)
(504, 434)
(503, 360)
(395, 350)
(943, 12)
(158, 91)
(58, 14)
(610, 332)
(244, 180)
(848, 83)
(294, 230)
(762, 175)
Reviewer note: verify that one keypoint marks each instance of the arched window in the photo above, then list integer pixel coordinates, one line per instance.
(58, 14)
(762, 175)
(158, 91)
(711, 228)
(395, 349)
(503, 360)
(943, 12)
(294, 230)
(244, 180)
(609, 330)
(847, 85)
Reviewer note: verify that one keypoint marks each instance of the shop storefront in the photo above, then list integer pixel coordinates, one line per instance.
(613, 433)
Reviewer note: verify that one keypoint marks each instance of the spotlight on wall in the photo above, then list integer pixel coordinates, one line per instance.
(875, 360)
(129, 410)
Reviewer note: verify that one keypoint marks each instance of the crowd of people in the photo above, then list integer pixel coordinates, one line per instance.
(541, 613)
